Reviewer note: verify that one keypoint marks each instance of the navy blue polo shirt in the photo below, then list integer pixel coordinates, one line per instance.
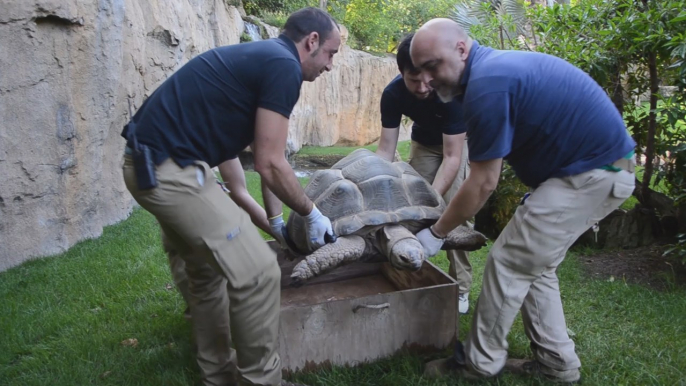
(431, 117)
(547, 118)
(206, 110)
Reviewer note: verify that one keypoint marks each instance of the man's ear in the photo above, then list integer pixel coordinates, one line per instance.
(312, 41)
(462, 49)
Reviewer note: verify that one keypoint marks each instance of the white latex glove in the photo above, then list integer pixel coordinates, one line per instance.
(276, 224)
(317, 225)
(431, 243)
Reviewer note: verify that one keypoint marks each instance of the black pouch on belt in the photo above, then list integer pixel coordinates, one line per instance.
(143, 164)
(144, 167)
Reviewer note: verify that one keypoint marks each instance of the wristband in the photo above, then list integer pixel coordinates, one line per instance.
(434, 234)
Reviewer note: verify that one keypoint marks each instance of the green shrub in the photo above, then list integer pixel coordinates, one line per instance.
(276, 18)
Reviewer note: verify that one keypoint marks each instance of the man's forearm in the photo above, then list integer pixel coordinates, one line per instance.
(466, 204)
(446, 174)
(388, 143)
(254, 210)
(280, 179)
(272, 204)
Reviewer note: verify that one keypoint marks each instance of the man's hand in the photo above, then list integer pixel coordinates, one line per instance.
(317, 225)
(431, 243)
(276, 224)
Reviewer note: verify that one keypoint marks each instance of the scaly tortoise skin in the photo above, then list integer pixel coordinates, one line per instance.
(375, 208)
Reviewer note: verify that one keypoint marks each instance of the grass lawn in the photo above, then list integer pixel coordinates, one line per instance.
(403, 149)
(64, 320)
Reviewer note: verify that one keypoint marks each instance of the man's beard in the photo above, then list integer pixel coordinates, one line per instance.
(446, 93)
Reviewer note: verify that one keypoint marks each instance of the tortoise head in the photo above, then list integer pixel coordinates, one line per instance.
(407, 254)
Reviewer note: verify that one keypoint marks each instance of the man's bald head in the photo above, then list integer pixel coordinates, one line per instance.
(440, 49)
(438, 32)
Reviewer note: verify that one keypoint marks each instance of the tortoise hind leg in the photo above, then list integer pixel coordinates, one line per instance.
(345, 250)
(464, 238)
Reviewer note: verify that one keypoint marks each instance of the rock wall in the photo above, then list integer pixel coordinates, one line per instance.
(342, 107)
(67, 68)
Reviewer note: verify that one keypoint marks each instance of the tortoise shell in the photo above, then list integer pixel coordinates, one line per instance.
(363, 192)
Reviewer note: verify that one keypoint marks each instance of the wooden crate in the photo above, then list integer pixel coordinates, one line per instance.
(363, 312)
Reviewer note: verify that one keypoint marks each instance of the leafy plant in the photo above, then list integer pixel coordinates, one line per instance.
(678, 250)
(276, 19)
(630, 48)
(495, 23)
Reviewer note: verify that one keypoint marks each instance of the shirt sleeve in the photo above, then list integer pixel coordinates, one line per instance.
(489, 126)
(280, 87)
(391, 114)
(454, 122)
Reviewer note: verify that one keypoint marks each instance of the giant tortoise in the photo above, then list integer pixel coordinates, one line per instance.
(375, 207)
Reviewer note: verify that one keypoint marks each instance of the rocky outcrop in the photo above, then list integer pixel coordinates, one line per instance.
(343, 106)
(67, 68)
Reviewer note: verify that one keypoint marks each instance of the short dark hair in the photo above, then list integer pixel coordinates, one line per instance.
(307, 20)
(403, 56)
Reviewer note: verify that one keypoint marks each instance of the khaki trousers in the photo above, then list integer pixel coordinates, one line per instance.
(426, 160)
(520, 272)
(233, 277)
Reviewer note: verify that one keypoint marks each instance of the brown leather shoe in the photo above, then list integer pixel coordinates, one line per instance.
(448, 366)
(535, 368)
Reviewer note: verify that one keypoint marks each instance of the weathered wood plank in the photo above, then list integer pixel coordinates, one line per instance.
(429, 275)
(365, 329)
(346, 272)
(363, 312)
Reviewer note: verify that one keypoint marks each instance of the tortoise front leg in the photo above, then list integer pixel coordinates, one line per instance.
(346, 249)
(464, 238)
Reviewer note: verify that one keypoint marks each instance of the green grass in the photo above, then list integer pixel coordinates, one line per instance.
(403, 149)
(63, 320)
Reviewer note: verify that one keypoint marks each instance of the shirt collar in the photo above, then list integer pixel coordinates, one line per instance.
(468, 68)
(290, 45)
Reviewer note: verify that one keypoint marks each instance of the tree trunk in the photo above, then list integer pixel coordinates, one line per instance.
(618, 90)
(502, 42)
(322, 4)
(652, 125)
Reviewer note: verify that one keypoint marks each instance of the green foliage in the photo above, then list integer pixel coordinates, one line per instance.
(374, 25)
(245, 38)
(629, 47)
(379, 25)
(678, 250)
(507, 197)
(495, 23)
(63, 319)
(276, 19)
(258, 7)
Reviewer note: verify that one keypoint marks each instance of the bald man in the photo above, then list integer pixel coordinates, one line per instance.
(564, 139)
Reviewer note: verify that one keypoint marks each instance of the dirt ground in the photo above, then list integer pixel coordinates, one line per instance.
(644, 266)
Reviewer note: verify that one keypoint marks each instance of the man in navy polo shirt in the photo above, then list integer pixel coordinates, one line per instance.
(204, 114)
(565, 139)
(438, 151)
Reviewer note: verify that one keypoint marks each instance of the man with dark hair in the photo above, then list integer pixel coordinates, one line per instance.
(439, 149)
(204, 114)
(564, 138)
(309, 19)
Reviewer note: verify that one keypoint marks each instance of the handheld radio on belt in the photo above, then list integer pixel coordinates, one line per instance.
(142, 159)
